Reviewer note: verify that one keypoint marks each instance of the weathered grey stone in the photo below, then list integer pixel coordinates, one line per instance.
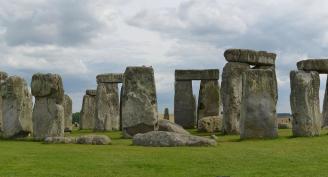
(184, 104)
(107, 110)
(3, 77)
(60, 140)
(121, 98)
(110, 78)
(208, 99)
(210, 124)
(68, 113)
(193, 74)
(258, 109)
(231, 92)
(139, 101)
(88, 112)
(91, 92)
(304, 102)
(251, 57)
(48, 111)
(325, 107)
(170, 139)
(319, 65)
(165, 125)
(94, 139)
(16, 107)
(166, 114)
(214, 137)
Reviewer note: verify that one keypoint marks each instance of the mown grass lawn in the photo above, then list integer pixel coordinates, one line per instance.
(284, 156)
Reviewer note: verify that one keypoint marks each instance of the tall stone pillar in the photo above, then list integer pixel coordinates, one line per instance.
(48, 111)
(68, 115)
(304, 101)
(16, 107)
(139, 101)
(231, 92)
(166, 114)
(325, 107)
(258, 109)
(208, 99)
(184, 104)
(3, 77)
(88, 111)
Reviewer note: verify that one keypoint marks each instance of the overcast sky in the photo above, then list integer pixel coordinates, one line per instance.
(79, 39)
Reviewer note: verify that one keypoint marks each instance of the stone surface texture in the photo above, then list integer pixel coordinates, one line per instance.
(193, 74)
(110, 78)
(208, 99)
(60, 140)
(210, 124)
(88, 112)
(16, 107)
(94, 139)
(251, 57)
(139, 101)
(325, 107)
(68, 115)
(319, 65)
(258, 109)
(304, 102)
(165, 125)
(3, 77)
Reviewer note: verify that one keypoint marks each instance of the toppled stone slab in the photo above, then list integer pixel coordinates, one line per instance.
(170, 139)
(193, 74)
(94, 139)
(60, 140)
(139, 101)
(251, 57)
(304, 102)
(318, 65)
(88, 112)
(91, 92)
(3, 77)
(208, 99)
(165, 125)
(110, 78)
(258, 109)
(210, 124)
(184, 104)
(68, 115)
(16, 107)
(231, 93)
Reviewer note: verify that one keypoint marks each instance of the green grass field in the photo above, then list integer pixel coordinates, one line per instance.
(284, 156)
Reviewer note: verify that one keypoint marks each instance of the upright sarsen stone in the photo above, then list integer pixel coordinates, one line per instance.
(139, 101)
(184, 104)
(258, 109)
(88, 111)
(208, 99)
(3, 77)
(68, 113)
(48, 112)
(231, 92)
(325, 107)
(166, 114)
(304, 101)
(16, 107)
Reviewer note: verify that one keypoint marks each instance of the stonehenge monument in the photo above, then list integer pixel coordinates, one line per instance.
(166, 114)
(139, 101)
(241, 61)
(16, 107)
(68, 104)
(107, 101)
(88, 111)
(48, 111)
(184, 101)
(3, 77)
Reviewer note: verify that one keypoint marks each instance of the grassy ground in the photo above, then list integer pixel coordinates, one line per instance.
(284, 156)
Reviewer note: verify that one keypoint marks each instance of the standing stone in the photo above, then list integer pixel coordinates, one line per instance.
(68, 115)
(107, 111)
(208, 99)
(121, 98)
(88, 112)
(16, 107)
(304, 101)
(166, 114)
(258, 109)
(325, 107)
(3, 77)
(231, 91)
(48, 112)
(139, 101)
(184, 104)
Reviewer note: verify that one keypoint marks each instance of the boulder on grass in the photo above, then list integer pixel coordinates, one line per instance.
(60, 140)
(165, 125)
(210, 124)
(94, 139)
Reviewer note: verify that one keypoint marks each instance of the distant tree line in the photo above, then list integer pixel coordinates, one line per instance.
(76, 117)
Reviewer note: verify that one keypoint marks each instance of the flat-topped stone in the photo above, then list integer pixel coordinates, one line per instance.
(110, 78)
(194, 74)
(91, 92)
(250, 56)
(319, 65)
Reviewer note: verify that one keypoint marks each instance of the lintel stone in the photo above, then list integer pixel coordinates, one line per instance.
(110, 78)
(193, 74)
(91, 92)
(251, 57)
(319, 65)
